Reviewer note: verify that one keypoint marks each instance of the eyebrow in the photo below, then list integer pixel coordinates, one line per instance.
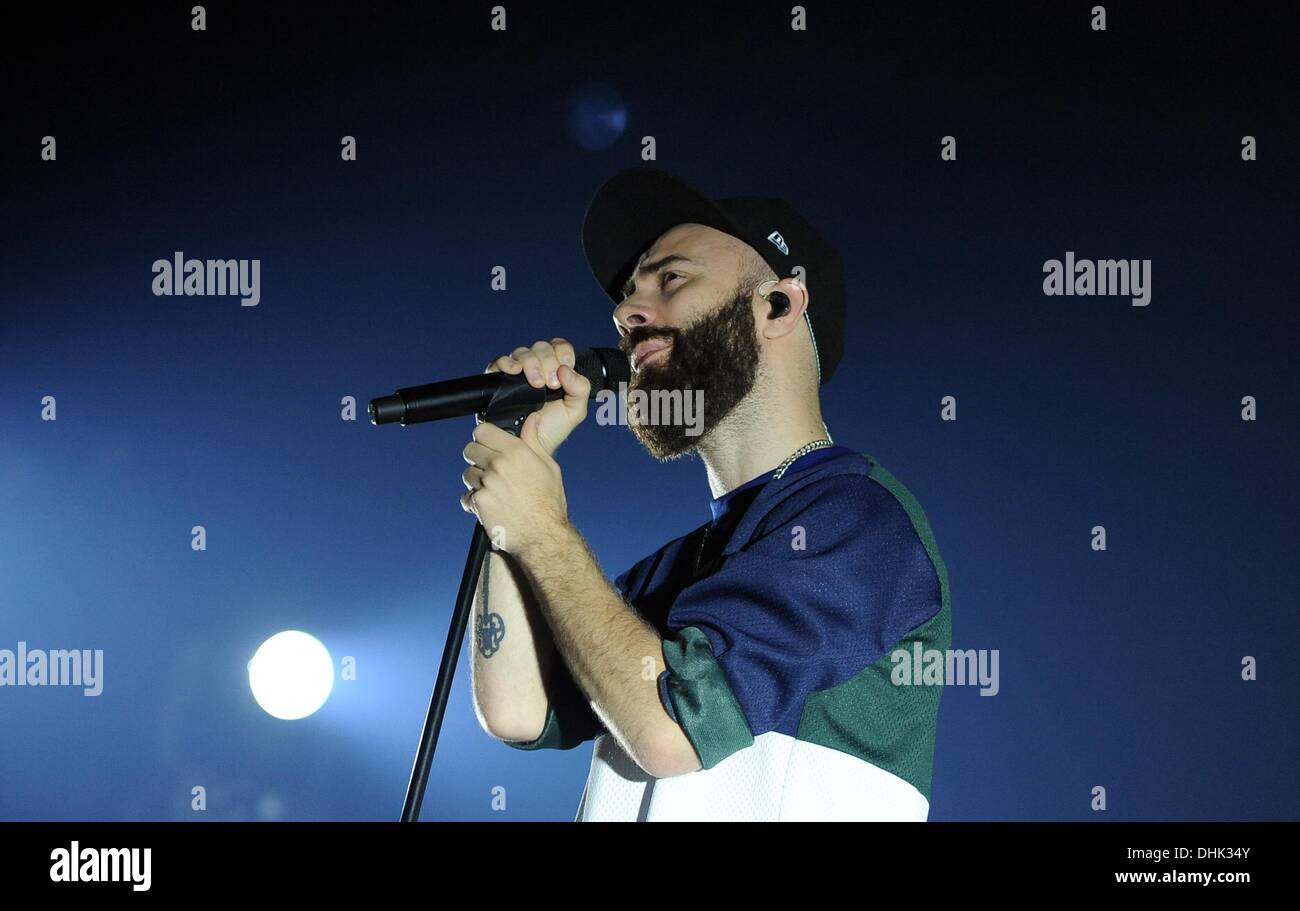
(650, 268)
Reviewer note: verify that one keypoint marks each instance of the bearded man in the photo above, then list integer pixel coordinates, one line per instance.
(743, 671)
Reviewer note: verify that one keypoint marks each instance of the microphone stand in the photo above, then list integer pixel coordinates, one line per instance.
(507, 406)
(509, 415)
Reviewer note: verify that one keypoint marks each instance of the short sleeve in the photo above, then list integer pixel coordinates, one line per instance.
(570, 720)
(836, 575)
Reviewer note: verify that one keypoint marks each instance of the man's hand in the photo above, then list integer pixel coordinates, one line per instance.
(547, 364)
(515, 487)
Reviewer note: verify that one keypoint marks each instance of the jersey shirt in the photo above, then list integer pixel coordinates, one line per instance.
(778, 620)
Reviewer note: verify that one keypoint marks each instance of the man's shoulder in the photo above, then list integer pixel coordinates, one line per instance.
(853, 490)
(852, 498)
(820, 487)
(857, 510)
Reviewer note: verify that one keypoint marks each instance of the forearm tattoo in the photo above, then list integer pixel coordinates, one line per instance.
(490, 629)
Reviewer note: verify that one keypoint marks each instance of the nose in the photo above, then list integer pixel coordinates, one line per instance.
(634, 312)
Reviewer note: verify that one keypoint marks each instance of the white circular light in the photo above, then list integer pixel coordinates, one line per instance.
(291, 675)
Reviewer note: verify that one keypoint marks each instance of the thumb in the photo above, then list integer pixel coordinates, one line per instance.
(528, 432)
(577, 388)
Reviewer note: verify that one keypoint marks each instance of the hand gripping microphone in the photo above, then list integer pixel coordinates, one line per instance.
(495, 392)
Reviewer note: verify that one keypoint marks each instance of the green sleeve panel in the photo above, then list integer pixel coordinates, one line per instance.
(701, 699)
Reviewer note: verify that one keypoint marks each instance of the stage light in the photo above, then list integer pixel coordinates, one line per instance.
(291, 675)
(597, 116)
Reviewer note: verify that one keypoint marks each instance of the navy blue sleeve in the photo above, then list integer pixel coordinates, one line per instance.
(836, 575)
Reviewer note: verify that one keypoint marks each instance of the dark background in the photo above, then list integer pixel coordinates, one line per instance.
(1119, 669)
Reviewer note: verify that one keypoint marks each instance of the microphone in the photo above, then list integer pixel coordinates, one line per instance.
(605, 368)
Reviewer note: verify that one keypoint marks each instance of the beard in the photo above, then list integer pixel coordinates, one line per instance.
(718, 355)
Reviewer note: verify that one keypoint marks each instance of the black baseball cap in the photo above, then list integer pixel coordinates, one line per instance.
(635, 206)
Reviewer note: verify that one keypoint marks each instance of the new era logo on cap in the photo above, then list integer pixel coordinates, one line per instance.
(779, 242)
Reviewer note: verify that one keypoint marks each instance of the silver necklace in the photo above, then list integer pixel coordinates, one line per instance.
(780, 470)
(801, 451)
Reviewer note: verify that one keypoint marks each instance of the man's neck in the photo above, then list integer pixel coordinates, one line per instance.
(755, 438)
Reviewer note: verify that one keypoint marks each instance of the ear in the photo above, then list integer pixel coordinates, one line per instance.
(787, 322)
